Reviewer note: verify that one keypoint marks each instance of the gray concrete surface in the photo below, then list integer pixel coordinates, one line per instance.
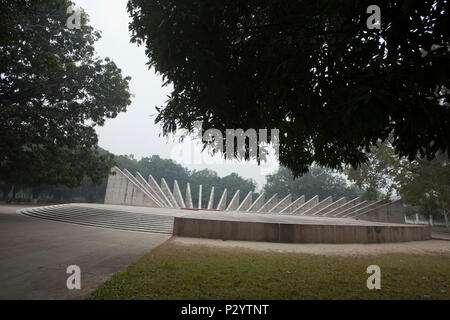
(440, 235)
(283, 232)
(35, 254)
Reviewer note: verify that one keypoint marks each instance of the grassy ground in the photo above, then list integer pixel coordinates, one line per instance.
(174, 271)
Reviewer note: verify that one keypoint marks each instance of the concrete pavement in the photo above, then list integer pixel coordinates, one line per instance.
(35, 254)
(440, 235)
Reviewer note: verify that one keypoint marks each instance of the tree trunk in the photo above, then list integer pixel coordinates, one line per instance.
(12, 194)
(35, 196)
(446, 218)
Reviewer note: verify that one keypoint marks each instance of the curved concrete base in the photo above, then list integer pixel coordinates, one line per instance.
(297, 233)
(229, 225)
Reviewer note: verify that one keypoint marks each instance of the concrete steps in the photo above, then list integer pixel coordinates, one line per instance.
(112, 219)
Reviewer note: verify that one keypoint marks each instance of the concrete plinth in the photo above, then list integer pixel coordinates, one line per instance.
(296, 233)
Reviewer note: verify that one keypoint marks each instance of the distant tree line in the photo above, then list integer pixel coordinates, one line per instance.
(318, 181)
(155, 165)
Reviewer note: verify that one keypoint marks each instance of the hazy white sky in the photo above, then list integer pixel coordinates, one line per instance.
(134, 131)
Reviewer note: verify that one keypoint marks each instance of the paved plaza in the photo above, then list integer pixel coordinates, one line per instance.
(35, 254)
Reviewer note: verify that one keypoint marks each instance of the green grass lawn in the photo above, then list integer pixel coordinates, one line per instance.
(174, 271)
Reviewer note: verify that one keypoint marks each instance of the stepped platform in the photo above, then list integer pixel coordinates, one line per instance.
(231, 225)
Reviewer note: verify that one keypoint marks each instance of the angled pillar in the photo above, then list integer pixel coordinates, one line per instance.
(234, 203)
(322, 204)
(342, 207)
(152, 182)
(388, 212)
(125, 189)
(200, 196)
(116, 187)
(211, 199)
(353, 208)
(269, 204)
(364, 209)
(165, 188)
(246, 203)
(129, 192)
(223, 201)
(259, 202)
(314, 201)
(131, 188)
(177, 195)
(293, 206)
(141, 195)
(282, 204)
(334, 205)
(150, 190)
(188, 196)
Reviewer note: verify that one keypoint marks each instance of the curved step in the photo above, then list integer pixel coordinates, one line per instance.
(110, 219)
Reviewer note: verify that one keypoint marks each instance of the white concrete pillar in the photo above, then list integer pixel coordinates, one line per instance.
(223, 201)
(188, 196)
(277, 208)
(259, 202)
(165, 188)
(324, 211)
(293, 206)
(140, 195)
(211, 199)
(269, 204)
(152, 182)
(322, 204)
(177, 195)
(200, 196)
(151, 190)
(234, 203)
(246, 203)
(306, 206)
(342, 208)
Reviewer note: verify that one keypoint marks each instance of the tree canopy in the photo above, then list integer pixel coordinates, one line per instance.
(54, 90)
(424, 185)
(318, 181)
(378, 176)
(311, 69)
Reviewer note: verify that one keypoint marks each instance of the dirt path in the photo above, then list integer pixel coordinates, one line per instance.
(430, 247)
